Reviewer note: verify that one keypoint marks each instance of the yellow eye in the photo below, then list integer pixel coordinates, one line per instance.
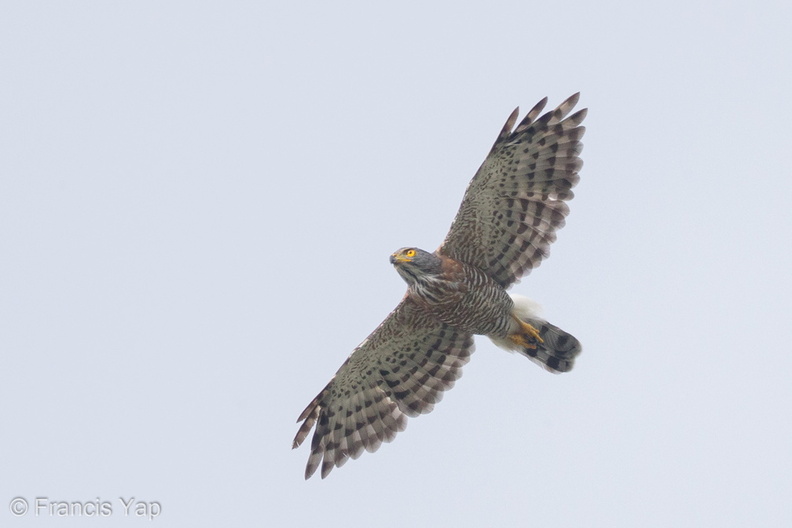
(410, 253)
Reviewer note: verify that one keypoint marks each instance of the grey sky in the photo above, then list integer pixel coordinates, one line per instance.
(197, 205)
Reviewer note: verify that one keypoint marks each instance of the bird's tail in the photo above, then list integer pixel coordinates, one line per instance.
(543, 343)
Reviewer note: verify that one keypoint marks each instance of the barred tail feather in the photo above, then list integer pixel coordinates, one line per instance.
(558, 349)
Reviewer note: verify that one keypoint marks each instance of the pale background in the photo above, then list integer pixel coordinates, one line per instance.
(197, 205)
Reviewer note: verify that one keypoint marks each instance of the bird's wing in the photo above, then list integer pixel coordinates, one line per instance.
(516, 201)
(400, 370)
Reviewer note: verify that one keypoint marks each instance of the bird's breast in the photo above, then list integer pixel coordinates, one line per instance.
(466, 298)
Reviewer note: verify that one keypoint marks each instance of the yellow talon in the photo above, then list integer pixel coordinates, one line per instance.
(527, 337)
(531, 331)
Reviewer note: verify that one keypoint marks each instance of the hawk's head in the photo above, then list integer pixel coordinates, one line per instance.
(415, 264)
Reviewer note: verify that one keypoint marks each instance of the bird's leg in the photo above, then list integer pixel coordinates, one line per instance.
(527, 337)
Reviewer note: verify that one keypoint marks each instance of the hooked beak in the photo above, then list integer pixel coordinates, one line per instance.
(398, 258)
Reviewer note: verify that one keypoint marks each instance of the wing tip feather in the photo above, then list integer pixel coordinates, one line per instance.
(509, 125)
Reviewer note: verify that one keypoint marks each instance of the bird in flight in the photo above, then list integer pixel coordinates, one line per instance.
(509, 216)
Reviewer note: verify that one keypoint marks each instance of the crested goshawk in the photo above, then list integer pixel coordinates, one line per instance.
(505, 225)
